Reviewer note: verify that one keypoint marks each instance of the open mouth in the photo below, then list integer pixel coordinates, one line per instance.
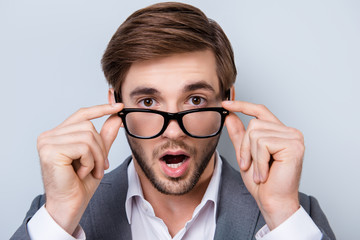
(174, 161)
(175, 164)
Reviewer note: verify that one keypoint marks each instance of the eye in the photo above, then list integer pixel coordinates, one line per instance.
(147, 102)
(196, 100)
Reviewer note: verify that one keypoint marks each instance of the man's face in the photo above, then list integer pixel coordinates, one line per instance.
(173, 162)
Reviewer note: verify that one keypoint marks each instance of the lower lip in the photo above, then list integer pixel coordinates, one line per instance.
(175, 172)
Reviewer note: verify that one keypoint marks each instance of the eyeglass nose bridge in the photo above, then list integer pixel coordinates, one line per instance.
(173, 116)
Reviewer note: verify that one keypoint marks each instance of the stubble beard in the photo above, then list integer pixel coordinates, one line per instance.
(173, 186)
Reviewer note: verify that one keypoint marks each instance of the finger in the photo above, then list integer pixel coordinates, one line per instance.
(65, 154)
(251, 109)
(277, 129)
(85, 126)
(86, 137)
(262, 159)
(89, 113)
(110, 130)
(84, 166)
(245, 152)
(236, 131)
(256, 134)
(253, 156)
(257, 127)
(288, 152)
(264, 124)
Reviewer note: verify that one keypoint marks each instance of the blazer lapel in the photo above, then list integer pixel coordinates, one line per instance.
(237, 212)
(108, 207)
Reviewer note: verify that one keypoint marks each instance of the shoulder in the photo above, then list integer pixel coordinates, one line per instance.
(114, 183)
(231, 178)
(107, 206)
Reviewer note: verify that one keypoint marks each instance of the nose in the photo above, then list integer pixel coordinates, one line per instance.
(173, 130)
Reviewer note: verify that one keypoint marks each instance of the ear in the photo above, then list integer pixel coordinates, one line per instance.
(232, 93)
(111, 99)
(111, 96)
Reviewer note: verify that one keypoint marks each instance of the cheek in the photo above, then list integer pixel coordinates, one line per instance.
(143, 144)
(203, 148)
(207, 146)
(149, 149)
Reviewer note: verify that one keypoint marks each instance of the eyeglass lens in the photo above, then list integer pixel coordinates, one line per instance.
(202, 123)
(144, 124)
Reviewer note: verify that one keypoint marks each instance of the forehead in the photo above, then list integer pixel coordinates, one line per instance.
(171, 74)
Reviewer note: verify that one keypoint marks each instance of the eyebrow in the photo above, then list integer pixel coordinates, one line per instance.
(188, 88)
(143, 91)
(197, 86)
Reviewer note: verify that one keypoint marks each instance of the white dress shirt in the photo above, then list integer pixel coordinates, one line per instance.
(141, 215)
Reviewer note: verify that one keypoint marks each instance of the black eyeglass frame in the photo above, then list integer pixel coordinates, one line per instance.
(176, 116)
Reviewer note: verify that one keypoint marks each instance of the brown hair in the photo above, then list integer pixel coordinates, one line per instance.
(161, 30)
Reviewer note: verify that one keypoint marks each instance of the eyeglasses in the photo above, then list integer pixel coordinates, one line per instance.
(197, 123)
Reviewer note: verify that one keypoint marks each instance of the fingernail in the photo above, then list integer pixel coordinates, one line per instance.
(107, 163)
(242, 163)
(100, 174)
(261, 178)
(228, 102)
(244, 155)
(255, 177)
(116, 105)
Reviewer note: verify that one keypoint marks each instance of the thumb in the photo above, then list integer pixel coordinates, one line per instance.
(236, 131)
(110, 130)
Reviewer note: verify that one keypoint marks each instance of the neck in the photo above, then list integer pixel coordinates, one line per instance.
(175, 210)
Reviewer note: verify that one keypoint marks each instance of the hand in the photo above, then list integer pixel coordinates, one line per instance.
(267, 142)
(73, 158)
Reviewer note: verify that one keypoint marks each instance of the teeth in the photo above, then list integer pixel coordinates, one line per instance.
(174, 165)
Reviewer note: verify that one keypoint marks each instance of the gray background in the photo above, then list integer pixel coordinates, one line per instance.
(299, 58)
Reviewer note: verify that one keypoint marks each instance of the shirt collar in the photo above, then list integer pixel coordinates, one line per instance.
(135, 190)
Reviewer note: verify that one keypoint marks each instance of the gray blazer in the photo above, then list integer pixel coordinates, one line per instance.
(238, 215)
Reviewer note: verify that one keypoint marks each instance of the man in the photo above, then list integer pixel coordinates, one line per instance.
(171, 72)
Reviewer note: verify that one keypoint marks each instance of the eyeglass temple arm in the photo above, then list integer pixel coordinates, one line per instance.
(117, 97)
(227, 94)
